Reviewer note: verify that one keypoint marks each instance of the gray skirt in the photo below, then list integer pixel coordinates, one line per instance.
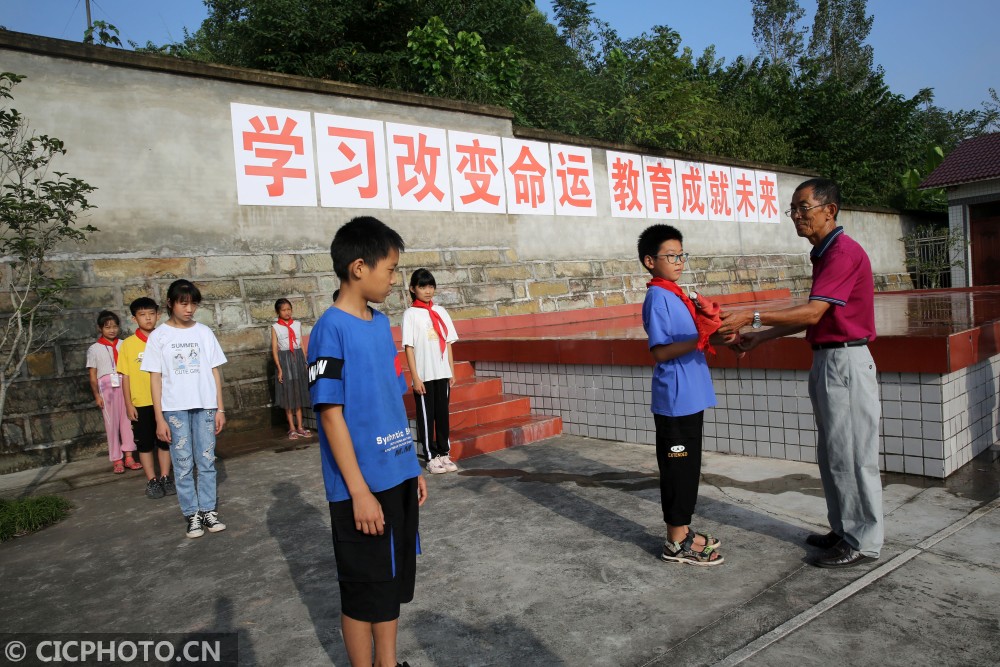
(294, 391)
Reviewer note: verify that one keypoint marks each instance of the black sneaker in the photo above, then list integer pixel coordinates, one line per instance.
(211, 521)
(194, 528)
(168, 486)
(154, 490)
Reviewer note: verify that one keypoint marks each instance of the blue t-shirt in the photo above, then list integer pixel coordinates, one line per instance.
(354, 363)
(681, 386)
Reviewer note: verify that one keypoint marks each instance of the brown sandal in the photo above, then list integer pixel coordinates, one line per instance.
(684, 552)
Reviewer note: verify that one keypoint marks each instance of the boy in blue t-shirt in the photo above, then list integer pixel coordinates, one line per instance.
(370, 467)
(681, 391)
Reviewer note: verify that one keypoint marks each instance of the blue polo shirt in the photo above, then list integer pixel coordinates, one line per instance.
(354, 363)
(681, 386)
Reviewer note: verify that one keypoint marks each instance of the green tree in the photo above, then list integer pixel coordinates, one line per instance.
(459, 66)
(38, 211)
(837, 43)
(776, 30)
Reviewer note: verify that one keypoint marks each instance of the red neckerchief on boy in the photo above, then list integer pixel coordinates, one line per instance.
(291, 332)
(705, 315)
(114, 350)
(141, 335)
(439, 326)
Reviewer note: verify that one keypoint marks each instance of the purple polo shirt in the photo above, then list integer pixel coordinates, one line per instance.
(842, 276)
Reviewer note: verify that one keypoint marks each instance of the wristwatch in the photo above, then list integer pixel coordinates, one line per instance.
(756, 323)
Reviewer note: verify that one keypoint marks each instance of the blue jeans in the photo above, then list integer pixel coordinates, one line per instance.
(192, 445)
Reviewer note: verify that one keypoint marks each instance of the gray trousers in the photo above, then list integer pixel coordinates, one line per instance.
(845, 399)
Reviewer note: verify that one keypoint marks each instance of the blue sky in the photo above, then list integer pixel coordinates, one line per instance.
(947, 46)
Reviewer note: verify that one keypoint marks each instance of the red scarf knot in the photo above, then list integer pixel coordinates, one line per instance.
(291, 333)
(440, 328)
(113, 345)
(704, 312)
(141, 335)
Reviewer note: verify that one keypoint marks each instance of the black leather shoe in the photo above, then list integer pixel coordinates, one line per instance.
(828, 541)
(846, 558)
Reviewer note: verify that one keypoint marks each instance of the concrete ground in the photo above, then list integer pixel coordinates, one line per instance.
(544, 554)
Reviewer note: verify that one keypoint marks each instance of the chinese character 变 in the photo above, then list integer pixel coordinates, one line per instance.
(290, 145)
(478, 167)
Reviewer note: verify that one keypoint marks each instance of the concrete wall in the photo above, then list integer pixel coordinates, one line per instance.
(154, 135)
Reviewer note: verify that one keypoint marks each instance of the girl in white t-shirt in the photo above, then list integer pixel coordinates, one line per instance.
(183, 358)
(291, 386)
(428, 333)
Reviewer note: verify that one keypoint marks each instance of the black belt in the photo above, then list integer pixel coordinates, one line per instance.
(850, 343)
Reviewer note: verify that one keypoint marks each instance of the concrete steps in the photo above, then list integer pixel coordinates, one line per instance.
(484, 419)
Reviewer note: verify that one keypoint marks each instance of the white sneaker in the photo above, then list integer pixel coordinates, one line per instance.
(194, 528)
(211, 521)
(435, 466)
(447, 463)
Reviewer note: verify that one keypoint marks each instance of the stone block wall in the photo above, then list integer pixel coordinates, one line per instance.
(50, 415)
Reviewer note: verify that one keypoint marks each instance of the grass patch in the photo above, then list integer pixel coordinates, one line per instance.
(26, 515)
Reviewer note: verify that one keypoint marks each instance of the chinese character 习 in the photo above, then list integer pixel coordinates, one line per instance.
(370, 189)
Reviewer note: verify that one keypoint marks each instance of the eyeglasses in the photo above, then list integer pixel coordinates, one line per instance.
(674, 259)
(801, 210)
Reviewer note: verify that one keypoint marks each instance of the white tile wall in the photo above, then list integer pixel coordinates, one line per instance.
(931, 424)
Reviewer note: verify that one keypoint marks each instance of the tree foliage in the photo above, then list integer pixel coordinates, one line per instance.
(776, 30)
(38, 211)
(822, 106)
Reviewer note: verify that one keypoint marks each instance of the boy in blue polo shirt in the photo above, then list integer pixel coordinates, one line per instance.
(370, 467)
(682, 390)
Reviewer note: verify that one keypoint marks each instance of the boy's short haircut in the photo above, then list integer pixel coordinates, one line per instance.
(106, 316)
(142, 303)
(182, 290)
(654, 236)
(365, 238)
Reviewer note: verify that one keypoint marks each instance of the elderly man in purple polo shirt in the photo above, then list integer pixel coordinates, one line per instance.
(839, 321)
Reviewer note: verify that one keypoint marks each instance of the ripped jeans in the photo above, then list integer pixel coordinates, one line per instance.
(192, 445)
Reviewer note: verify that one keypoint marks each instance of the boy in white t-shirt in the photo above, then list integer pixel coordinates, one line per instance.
(183, 358)
(428, 333)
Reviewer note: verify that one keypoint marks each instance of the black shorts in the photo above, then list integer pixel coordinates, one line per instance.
(144, 431)
(377, 573)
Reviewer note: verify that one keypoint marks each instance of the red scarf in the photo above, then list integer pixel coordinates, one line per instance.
(291, 333)
(114, 350)
(141, 335)
(439, 326)
(705, 313)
